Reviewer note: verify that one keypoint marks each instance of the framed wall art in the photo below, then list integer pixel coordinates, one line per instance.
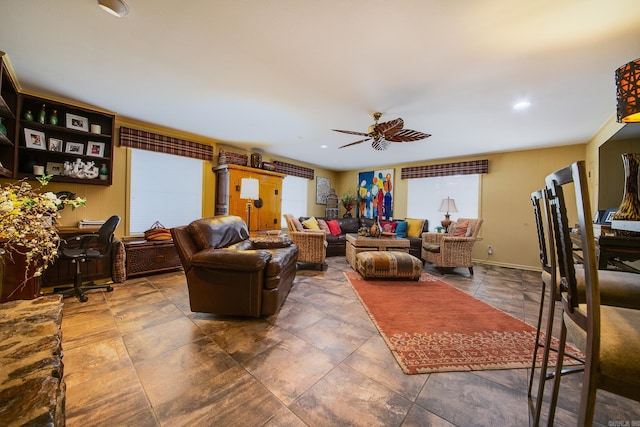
(54, 168)
(323, 186)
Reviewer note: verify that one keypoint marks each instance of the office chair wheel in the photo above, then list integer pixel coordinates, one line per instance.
(109, 289)
(83, 298)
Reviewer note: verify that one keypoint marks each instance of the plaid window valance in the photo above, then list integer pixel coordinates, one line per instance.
(295, 170)
(150, 141)
(446, 169)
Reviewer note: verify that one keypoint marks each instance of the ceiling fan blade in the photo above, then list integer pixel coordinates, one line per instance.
(407, 135)
(354, 143)
(389, 128)
(350, 132)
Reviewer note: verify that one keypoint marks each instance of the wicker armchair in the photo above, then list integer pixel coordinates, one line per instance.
(445, 251)
(312, 244)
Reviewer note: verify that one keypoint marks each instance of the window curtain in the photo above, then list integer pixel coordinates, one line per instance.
(150, 141)
(446, 169)
(295, 170)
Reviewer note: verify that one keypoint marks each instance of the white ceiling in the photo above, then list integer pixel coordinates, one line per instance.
(278, 75)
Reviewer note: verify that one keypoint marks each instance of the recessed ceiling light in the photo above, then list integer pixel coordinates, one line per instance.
(115, 7)
(522, 105)
(324, 146)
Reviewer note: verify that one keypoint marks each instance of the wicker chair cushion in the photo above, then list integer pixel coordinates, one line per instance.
(431, 247)
(296, 222)
(459, 229)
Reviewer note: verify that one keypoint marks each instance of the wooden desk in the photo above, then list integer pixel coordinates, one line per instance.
(613, 250)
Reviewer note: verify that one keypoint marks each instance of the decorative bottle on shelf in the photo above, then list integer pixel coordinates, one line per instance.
(42, 117)
(53, 119)
(104, 172)
(3, 129)
(28, 116)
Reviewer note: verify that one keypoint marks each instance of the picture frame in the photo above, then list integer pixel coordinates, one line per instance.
(323, 186)
(77, 122)
(35, 139)
(74, 148)
(54, 168)
(56, 144)
(95, 149)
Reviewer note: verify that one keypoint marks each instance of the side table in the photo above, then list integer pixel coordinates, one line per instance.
(147, 256)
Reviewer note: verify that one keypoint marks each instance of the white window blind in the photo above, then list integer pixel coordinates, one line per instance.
(425, 196)
(165, 188)
(294, 197)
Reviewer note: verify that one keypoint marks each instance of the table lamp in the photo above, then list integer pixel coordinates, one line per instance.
(447, 205)
(249, 189)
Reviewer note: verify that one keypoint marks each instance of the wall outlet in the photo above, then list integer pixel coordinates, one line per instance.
(490, 250)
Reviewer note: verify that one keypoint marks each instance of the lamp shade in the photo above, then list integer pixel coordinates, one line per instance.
(115, 7)
(249, 188)
(627, 92)
(448, 205)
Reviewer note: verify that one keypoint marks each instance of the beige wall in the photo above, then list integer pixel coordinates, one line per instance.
(505, 204)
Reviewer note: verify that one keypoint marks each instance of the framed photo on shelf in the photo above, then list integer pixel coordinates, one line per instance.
(55, 144)
(95, 149)
(77, 122)
(54, 168)
(74, 148)
(35, 139)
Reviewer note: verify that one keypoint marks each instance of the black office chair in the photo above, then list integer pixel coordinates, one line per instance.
(83, 248)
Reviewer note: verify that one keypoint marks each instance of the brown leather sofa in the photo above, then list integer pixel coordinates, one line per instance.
(226, 272)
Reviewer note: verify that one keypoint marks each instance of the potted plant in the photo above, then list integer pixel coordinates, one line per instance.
(27, 225)
(348, 201)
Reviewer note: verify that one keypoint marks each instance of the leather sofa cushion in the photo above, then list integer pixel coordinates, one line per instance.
(229, 259)
(218, 231)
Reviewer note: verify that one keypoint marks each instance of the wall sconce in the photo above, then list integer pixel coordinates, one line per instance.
(249, 189)
(447, 205)
(115, 7)
(627, 92)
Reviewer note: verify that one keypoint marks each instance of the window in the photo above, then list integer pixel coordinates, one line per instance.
(294, 197)
(425, 196)
(164, 188)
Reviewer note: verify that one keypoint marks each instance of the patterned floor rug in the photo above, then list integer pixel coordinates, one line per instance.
(431, 326)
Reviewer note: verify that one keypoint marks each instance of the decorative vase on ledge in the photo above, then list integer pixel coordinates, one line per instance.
(629, 209)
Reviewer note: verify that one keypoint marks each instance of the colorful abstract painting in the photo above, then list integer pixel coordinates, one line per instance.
(375, 194)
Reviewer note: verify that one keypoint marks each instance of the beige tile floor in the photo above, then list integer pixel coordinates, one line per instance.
(139, 357)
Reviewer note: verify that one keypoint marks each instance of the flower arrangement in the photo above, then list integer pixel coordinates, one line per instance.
(348, 200)
(27, 223)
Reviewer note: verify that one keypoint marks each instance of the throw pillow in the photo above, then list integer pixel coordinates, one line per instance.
(458, 229)
(297, 224)
(311, 224)
(414, 227)
(334, 227)
(389, 226)
(323, 226)
(401, 229)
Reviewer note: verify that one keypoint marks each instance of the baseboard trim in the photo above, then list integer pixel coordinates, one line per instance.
(508, 265)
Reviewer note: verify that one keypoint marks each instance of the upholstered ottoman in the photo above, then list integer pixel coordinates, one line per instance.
(388, 265)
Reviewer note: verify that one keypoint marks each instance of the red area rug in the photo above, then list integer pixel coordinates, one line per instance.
(431, 326)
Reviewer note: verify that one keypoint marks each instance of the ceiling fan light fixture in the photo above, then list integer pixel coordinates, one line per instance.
(628, 92)
(380, 144)
(115, 7)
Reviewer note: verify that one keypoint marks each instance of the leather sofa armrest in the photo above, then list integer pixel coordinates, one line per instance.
(225, 259)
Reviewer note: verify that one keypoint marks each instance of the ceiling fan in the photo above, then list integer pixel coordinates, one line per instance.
(383, 134)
